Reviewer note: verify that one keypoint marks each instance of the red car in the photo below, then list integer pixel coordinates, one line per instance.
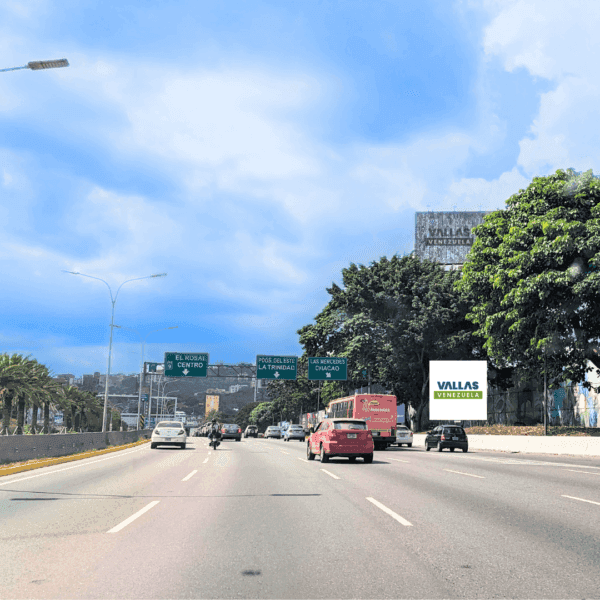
(341, 437)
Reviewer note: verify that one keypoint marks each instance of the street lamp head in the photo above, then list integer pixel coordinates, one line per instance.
(71, 272)
(176, 327)
(35, 65)
(159, 275)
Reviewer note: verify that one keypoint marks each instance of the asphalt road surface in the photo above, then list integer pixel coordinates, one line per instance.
(256, 520)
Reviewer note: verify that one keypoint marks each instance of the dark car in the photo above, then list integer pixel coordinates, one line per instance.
(230, 431)
(447, 436)
(251, 431)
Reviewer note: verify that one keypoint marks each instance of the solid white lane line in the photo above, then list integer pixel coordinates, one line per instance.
(83, 464)
(588, 472)
(581, 499)
(139, 513)
(399, 460)
(330, 474)
(284, 452)
(303, 459)
(190, 475)
(390, 512)
(206, 459)
(461, 473)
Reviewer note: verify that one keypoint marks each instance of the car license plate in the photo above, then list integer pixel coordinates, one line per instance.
(167, 439)
(352, 435)
(455, 438)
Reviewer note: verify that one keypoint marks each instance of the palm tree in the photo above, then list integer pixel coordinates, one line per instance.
(73, 402)
(49, 392)
(34, 371)
(14, 381)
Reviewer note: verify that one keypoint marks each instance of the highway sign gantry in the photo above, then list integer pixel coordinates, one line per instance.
(328, 368)
(186, 364)
(276, 367)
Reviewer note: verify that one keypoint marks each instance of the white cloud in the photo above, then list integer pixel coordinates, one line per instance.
(481, 194)
(562, 45)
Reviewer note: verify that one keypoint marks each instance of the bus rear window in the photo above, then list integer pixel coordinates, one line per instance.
(350, 425)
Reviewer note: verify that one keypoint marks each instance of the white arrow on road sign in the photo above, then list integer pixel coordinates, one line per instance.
(277, 374)
(185, 371)
(328, 374)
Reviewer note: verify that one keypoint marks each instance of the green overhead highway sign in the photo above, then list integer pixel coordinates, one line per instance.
(276, 367)
(186, 364)
(328, 368)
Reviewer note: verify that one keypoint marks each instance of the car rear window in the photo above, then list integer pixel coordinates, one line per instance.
(349, 425)
(454, 430)
(402, 429)
(169, 424)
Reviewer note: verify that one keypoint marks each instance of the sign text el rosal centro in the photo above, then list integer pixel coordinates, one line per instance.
(186, 364)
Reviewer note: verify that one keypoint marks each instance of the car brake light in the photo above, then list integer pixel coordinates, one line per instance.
(443, 437)
(239, 430)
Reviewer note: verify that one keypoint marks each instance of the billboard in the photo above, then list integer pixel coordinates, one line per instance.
(212, 403)
(445, 237)
(458, 390)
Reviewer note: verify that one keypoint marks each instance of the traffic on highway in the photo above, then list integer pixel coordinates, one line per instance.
(411, 524)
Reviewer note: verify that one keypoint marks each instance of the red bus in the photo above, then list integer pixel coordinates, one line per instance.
(377, 410)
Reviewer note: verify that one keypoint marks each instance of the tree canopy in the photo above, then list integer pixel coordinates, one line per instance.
(534, 274)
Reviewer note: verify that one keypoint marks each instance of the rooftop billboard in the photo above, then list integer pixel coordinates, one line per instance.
(445, 237)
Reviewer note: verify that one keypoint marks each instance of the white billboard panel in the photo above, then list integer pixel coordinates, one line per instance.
(458, 390)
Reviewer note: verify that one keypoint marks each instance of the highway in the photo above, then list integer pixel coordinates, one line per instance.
(255, 519)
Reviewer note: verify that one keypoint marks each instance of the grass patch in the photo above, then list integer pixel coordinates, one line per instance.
(554, 430)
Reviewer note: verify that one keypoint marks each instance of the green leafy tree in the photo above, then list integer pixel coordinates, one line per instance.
(243, 416)
(390, 319)
(534, 274)
(15, 383)
(262, 415)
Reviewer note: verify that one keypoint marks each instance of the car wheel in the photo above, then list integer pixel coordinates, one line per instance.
(239, 439)
(182, 446)
(324, 457)
(409, 445)
(368, 458)
(440, 448)
(152, 446)
(452, 449)
(352, 458)
(427, 447)
(465, 449)
(309, 454)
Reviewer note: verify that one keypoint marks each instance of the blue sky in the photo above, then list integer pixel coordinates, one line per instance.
(252, 150)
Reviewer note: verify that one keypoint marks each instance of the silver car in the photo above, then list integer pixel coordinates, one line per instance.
(274, 432)
(294, 432)
(404, 436)
(169, 433)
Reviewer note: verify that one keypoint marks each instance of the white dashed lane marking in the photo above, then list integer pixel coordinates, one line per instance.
(390, 512)
(581, 499)
(139, 513)
(461, 473)
(190, 475)
(330, 474)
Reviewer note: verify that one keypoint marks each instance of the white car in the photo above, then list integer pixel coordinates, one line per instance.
(169, 433)
(273, 432)
(404, 436)
(294, 432)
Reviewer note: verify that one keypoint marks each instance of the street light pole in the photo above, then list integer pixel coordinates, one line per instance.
(142, 363)
(37, 65)
(112, 324)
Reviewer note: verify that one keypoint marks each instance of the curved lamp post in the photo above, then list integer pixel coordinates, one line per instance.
(37, 65)
(112, 325)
